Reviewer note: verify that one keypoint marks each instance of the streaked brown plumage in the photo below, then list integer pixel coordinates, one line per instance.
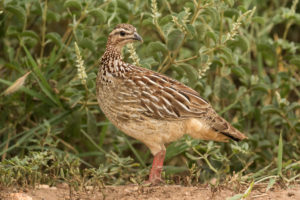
(151, 107)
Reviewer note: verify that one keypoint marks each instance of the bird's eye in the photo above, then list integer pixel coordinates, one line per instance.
(122, 33)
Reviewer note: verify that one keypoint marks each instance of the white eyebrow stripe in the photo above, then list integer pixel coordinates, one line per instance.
(118, 30)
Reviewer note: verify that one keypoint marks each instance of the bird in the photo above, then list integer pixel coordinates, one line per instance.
(151, 107)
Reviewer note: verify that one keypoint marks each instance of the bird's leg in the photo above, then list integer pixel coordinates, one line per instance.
(157, 166)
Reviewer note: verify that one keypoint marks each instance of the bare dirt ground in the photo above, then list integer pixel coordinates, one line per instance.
(174, 192)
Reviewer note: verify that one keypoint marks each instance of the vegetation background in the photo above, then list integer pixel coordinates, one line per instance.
(242, 56)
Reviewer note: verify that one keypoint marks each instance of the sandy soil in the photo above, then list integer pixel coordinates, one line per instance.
(174, 192)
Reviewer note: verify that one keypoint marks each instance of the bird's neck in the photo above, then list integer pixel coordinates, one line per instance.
(112, 61)
(112, 53)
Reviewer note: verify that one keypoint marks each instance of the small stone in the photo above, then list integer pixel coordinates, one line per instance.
(135, 188)
(53, 188)
(20, 196)
(291, 194)
(43, 186)
(127, 190)
(89, 187)
(62, 186)
(213, 181)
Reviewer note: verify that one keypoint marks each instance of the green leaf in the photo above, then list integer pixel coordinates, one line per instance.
(175, 169)
(192, 157)
(229, 2)
(271, 110)
(178, 71)
(55, 38)
(174, 40)
(164, 20)
(293, 106)
(18, 11)
(73, 4)
(191, 30)
(242, 90)
(240, 42)
(41, 79)
(87, 43)
(225, 71)
(227, 54)
(214, 16)
(259, 20)
(91, 123)
(231, 12)
(272, 181)
(99, 14)
(157, 46)
(29, 38)
(31, 34)
(247, 106)
(179, 147)
(211, 35)
(239, 71)
(236, 197)
(261, 87)
(268, 52)
(190, 71)
(295, 60)
(52, 16)
(148, 62)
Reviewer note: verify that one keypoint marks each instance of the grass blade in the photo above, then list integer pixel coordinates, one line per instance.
(34, 131)
(103, 132)
(41, 79)
(29, 92)
(17, 84)
(279, 156)
(93, 142)
(135, 152)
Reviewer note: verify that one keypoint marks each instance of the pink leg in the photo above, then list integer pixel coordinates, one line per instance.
(157, 166)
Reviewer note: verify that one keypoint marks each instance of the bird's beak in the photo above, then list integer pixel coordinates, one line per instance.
(137, 37)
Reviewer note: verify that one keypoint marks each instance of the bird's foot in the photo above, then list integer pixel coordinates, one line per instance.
(157, 166)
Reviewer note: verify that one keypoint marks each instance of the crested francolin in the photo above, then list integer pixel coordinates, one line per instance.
(151, 107)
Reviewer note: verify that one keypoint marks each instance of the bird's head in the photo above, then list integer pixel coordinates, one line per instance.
(122, 35)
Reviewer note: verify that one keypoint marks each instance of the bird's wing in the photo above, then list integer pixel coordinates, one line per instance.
(161, 97)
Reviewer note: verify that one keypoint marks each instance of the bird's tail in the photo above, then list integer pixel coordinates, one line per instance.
(213, 128)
